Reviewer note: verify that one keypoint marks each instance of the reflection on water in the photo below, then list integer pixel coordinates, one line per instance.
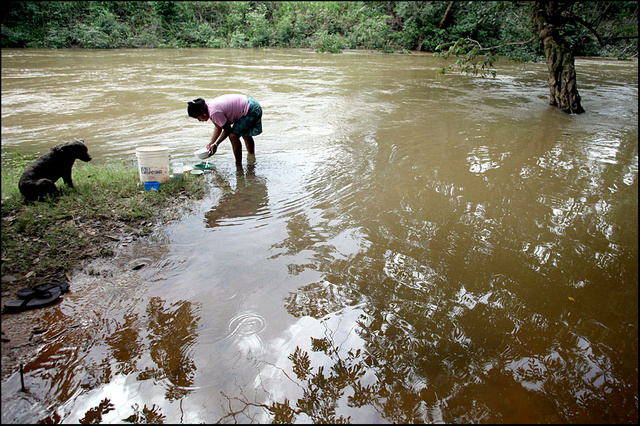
(248, 199)
(404, 248)
(171, 333)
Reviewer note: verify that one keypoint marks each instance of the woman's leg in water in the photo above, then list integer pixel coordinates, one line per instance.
(237, 149)
(248, 142)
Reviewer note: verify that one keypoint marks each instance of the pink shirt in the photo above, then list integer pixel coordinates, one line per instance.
(227, 108)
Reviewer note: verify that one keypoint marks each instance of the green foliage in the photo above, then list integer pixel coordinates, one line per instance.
(471, 59)
(420, 23)
(508, 29)
(329, 43)
(166, 9)
(371, 33)
(329, 26)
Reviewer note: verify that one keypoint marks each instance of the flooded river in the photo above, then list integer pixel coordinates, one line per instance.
(406, 247)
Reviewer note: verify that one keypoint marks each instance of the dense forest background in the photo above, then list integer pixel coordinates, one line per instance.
(326, 26)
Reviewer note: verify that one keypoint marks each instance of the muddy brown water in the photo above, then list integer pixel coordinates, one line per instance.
(469, 252)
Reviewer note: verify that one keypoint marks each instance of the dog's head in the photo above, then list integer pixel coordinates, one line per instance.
(76, 149)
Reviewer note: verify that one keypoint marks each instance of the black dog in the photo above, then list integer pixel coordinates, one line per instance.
(40, 177)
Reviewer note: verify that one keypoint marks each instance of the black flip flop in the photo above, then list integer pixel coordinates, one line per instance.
(38, 300)
(27, 293)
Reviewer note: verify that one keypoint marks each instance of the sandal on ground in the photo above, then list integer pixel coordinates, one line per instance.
(38, 300)
(30, 292)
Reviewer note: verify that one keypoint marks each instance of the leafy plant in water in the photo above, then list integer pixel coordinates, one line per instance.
(472, 57)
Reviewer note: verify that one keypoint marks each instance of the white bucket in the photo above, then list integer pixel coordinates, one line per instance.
(153, 163)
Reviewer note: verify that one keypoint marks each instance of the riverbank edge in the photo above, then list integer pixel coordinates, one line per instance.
(45, 241)
(100, 236)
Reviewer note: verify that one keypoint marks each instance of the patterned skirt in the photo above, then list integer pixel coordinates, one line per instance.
(250, 124)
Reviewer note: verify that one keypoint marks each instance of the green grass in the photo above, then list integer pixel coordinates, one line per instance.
(46, 240)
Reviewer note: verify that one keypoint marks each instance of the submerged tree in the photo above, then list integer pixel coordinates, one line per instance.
(549, 17)
(559, 27)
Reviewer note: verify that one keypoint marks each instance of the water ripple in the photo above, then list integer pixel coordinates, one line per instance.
(246, 324)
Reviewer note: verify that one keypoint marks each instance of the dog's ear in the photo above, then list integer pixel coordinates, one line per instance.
(57, 148)
(64, 146)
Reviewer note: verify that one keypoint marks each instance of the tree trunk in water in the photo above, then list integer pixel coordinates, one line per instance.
(560, 61)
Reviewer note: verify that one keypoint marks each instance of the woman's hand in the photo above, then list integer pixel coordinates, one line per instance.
(212, 147)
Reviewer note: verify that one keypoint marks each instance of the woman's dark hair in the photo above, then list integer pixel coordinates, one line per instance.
(196, 108)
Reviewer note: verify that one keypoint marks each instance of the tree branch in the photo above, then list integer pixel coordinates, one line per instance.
(477, 43)
(446, 16)
(601, 41)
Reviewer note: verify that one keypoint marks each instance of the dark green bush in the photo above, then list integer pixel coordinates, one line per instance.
(330, 26)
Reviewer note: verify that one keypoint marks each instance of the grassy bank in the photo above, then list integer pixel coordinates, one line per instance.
(45, 240)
